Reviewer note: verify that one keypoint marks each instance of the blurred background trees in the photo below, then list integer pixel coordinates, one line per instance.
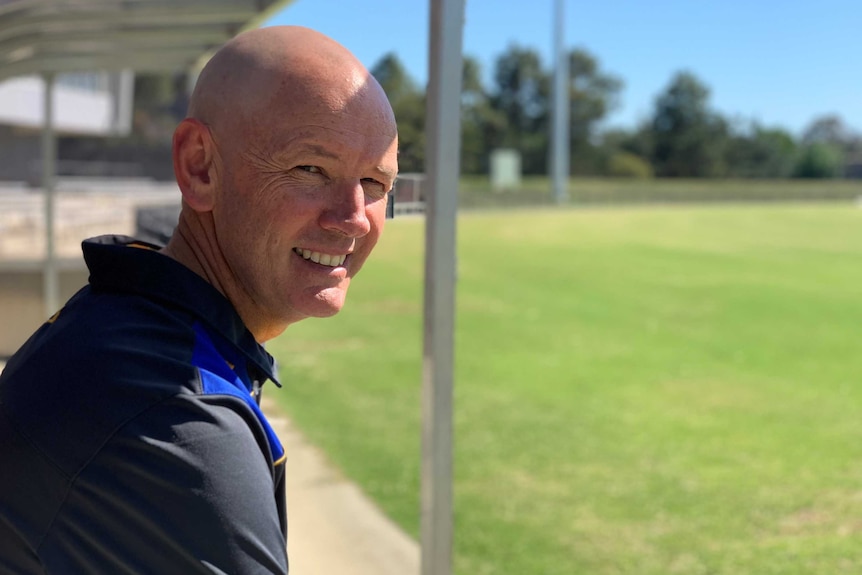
(684, 137)
(688, 139)
(408, 103)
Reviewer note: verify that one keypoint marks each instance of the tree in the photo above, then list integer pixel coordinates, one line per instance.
(623, 164)
(482, 127)
(520, 96)
(637, 142)
(820, 160)
(827, 130)
(688, 138)
(592, 94)
(828, 141)
(761, 153)
(408, 103)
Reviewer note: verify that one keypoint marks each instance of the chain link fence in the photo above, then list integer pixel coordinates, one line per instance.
(477, 193)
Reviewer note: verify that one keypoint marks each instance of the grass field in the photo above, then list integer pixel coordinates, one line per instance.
(639, 391)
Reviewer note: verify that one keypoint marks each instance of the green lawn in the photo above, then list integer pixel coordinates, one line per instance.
(643, 391)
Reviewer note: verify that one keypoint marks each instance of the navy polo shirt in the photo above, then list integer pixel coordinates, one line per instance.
(130, 436)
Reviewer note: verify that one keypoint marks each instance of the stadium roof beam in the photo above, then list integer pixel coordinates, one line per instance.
(58, 36)
(167, 60)
(104, 40)
(50, 37)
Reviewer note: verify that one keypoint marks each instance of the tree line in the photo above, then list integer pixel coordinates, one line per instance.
(684, 137)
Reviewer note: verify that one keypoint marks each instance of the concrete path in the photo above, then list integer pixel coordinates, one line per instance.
(334, 529)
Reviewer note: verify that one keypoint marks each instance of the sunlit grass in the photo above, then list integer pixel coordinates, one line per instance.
(645, 391)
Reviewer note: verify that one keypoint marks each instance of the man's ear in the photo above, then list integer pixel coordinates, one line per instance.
(194, 164)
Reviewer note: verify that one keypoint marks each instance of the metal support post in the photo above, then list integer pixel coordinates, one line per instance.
(443, 121)
(50, 279)
(560, 113)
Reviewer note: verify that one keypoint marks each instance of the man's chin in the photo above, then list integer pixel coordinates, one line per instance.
(321, 313)
(326, 303)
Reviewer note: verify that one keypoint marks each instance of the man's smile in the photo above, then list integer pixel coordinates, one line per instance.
(321, 258)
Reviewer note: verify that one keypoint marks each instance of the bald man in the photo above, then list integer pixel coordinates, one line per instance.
(130, 435)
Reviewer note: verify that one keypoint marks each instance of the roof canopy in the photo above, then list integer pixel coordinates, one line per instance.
(38, 36)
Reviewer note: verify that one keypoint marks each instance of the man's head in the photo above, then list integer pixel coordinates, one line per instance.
(284, 164)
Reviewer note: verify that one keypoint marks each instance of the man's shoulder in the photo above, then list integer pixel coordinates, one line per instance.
(101, 338)
(102, 359)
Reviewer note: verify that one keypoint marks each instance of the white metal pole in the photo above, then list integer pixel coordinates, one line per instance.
(443, 129)
(50, 279)
(560, 114)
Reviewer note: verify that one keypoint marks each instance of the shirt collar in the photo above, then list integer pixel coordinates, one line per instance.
(116, 265)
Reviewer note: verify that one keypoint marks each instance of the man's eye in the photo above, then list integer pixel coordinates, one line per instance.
(309, 169)
(373, 188)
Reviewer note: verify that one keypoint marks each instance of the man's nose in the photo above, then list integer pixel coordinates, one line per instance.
(346, 210)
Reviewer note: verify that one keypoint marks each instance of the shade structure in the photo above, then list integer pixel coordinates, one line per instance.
(50, 37)
(57, 36)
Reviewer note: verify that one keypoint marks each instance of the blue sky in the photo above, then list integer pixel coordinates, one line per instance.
(781, 63)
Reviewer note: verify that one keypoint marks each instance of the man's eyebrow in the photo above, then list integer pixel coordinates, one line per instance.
(317, 150)
(386, 172)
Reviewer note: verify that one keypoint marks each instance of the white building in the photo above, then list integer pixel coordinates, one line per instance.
(98, 104)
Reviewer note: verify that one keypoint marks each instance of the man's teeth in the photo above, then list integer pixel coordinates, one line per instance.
(322, 259)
